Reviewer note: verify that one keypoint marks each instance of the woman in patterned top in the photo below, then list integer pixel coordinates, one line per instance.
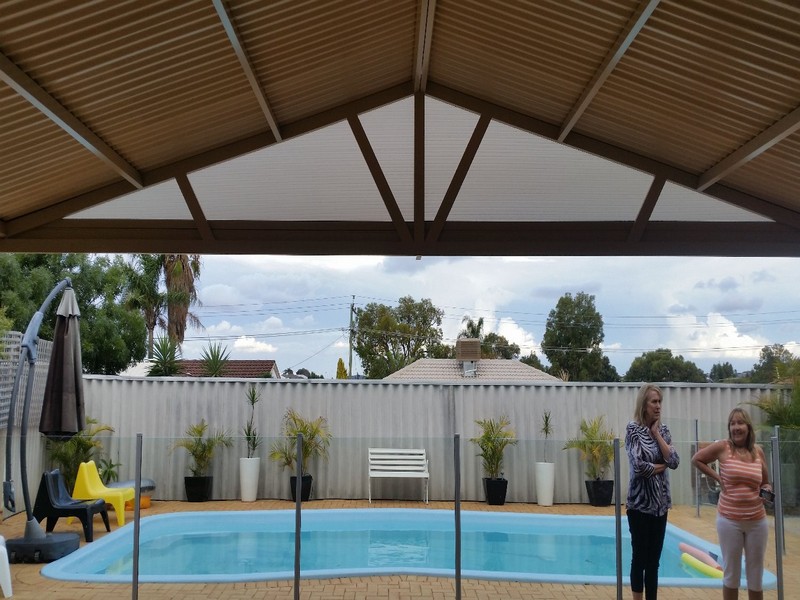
(648, 443)
(741, 518)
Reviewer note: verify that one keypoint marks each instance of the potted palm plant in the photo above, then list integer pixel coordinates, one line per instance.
(495, 437)
(316, 440)
(595, 445)
(250, 466)
(201, 446)
(545, 471)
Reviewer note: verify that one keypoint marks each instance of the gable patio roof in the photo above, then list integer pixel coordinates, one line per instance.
(405, 127)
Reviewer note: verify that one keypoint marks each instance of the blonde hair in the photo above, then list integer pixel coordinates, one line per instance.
(641, 401)
(751, 434)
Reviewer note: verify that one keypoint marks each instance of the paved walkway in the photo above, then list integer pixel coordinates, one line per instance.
(30, 585)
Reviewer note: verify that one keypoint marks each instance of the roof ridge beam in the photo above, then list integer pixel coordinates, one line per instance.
(247, 67)
(422, 58)
(28, 89)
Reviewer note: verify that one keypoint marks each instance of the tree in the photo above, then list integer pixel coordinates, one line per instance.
(660, 365)
(472, 329)
(533, 361)
(721, 371)
(112, 337)
(166, 357)
(341, 371)
(441, 350)
(389, 338)
(213, 359)
(608, 372)
(771, 359)
(5, 322)
(180, 273)
(309, 374)
(572, 338)
(145, 295)
(497, 346)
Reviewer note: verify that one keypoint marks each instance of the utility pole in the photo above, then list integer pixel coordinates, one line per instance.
(350, 364)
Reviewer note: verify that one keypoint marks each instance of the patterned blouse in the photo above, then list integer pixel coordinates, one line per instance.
(648, 492)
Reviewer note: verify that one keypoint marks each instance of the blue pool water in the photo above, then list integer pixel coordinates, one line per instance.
(259, 545)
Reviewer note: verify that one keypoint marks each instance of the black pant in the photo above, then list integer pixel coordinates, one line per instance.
(647, 539)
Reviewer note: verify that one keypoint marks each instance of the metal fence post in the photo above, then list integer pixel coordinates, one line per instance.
(457, 511)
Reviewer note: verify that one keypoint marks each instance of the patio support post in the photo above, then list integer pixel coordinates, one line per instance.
(136, 517)
(696, 472)
(618, 517)
(457, 510)
(780, 547)
(780, 540)
(777, 485)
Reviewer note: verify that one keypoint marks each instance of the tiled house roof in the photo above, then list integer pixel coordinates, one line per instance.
(450, 369)
(247, 369)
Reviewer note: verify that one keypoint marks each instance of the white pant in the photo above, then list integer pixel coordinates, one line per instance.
(735, 537)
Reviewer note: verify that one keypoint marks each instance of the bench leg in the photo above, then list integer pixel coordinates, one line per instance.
(369, 489)
(426, 491)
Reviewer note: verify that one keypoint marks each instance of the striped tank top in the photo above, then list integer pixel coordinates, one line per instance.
(742, 481)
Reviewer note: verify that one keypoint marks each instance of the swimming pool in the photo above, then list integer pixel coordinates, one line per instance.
(234, 546)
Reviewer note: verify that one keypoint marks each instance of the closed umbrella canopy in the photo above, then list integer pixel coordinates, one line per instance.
(63, 408)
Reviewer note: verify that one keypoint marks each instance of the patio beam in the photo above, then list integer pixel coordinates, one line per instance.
(28, 89)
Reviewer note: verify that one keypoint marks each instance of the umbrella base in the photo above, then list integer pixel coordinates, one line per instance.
(47, 549)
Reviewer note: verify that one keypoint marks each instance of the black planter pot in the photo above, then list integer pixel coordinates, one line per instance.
(198, 489)
(305, 487)
(495, 490)
(600, 491)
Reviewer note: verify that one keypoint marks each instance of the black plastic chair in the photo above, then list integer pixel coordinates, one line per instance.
(53, 501)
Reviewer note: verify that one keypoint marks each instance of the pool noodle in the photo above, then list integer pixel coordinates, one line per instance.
(699, 555)
(700, 566)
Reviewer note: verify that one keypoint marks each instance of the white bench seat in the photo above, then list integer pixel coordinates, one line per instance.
(398, 462)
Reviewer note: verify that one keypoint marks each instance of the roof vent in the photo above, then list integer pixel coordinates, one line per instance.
(468, 349)
(470, 368)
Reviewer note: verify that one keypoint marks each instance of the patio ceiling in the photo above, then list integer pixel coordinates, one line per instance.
(405, 127)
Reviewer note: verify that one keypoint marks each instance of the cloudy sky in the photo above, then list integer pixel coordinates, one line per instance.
(296, 309)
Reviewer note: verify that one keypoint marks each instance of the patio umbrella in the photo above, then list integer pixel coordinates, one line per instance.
(63, 410)
(37, 545)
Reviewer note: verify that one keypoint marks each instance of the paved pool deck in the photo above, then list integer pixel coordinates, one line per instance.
(28, 584)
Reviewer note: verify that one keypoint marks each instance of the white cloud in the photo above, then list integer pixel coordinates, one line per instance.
(250, 345)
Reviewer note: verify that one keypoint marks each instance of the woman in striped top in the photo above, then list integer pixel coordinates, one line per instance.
(648, 443)
(741, 518)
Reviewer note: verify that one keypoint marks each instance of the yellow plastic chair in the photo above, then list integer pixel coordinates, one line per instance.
(88, 486)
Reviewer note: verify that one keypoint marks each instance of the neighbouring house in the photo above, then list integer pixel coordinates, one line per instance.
(468, 365)
(243, 369)
(485, 369)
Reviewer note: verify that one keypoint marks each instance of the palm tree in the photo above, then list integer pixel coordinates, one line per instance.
(144, 293)
(180, 273)
(472, 329)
